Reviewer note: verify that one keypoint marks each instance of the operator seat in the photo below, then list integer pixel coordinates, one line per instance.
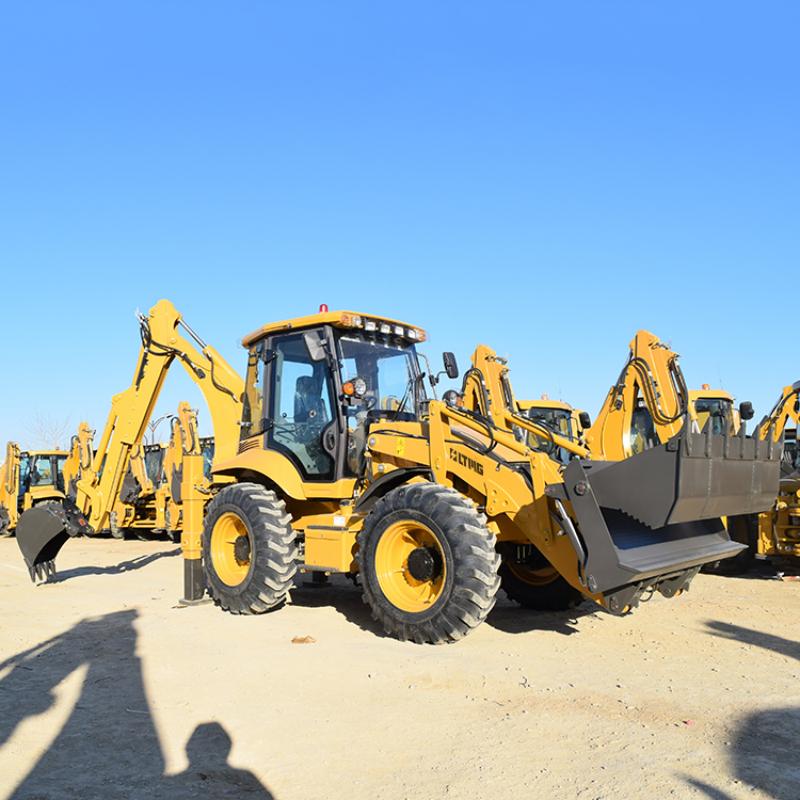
(309, 407)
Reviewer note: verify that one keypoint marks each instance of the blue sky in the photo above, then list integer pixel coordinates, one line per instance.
(545, 178)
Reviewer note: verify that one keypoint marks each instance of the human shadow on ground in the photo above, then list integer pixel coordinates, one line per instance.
(763, 756)
(115, 569)
(108, 747)
(768, 641)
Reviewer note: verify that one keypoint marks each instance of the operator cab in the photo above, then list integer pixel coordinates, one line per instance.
(41, 470)
(315, 385)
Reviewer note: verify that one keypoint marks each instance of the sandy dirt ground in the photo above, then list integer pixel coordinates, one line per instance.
(109, 690)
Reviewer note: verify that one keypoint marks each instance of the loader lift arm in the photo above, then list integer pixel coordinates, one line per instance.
(95, 478)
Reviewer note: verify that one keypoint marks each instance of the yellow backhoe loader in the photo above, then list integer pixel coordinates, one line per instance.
(718, 406)
(557, 416)
(344, 464)
(28, 478)
(185, 442)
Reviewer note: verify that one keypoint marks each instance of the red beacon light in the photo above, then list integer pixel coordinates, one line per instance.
(323, 308)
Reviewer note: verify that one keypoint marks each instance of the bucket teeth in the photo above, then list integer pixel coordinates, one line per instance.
(42, 571)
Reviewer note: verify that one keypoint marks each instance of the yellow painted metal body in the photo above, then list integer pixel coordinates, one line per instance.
(396, 579)
(330, 548)
(16, 498)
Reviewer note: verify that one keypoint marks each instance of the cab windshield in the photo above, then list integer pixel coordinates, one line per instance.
(559, 421)
(42, 471)
(388, 367)
(719, 409)
(154, 463)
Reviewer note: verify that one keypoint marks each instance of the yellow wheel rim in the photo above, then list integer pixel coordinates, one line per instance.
(410, 566)
(229, 555)
(542, 576)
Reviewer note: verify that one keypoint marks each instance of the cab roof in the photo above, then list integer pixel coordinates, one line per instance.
(353, 320)
(709, 394)
(559, 404)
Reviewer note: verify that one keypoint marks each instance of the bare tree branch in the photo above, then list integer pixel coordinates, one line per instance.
(49, 433)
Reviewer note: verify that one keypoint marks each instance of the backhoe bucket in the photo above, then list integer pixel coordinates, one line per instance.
(653, 519)
(41, 533)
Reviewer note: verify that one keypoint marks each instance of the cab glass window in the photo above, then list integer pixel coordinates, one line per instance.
(389, 371)
(559, 421)
(253, 404)
(719, 410)
(42, 471)
(642, 432)
(301, 405)
(24, 473)
(60, 461)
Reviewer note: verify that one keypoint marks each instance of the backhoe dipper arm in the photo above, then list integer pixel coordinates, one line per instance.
(787, 408)
(652, 375)
(165, 338)
(162, 343)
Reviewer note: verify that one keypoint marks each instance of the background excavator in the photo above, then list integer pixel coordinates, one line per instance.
(345, 464)
(28, 478)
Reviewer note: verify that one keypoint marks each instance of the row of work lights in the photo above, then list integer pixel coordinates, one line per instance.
(383, 326)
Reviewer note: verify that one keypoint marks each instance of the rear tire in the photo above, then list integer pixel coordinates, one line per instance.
(249, 550)
(428, 564)
(542, 589)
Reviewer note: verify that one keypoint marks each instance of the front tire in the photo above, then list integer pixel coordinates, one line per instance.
(249, 551)
(428, 564)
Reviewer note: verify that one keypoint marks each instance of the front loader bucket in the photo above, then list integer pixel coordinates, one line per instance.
(41, 533)
(693, 476)
(653, 519)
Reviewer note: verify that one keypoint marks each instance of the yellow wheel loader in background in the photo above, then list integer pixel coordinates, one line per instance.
(344, 464)
(28, 478)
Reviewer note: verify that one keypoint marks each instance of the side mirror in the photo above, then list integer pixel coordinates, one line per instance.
(585, 419)
(746, 410)
(450, 365)
(315, 345)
